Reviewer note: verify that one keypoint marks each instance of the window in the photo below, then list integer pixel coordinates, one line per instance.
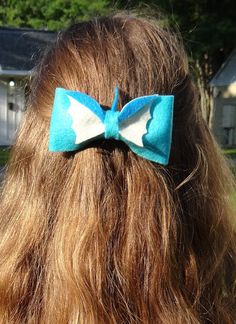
(228, 124)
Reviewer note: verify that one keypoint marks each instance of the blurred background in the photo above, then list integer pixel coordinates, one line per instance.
(207, 27)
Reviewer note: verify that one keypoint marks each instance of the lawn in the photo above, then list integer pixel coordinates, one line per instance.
(4, 155)
(231, 152)
(233, 199)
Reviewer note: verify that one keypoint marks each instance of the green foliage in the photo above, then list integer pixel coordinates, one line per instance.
(208, 30)
(51, 15)
(207, 26)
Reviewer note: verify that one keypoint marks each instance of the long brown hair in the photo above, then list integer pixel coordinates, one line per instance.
(102, 235)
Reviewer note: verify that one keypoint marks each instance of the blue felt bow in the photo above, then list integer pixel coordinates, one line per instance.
(144, 123)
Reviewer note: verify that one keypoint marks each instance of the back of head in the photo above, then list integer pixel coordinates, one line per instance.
(103, 235)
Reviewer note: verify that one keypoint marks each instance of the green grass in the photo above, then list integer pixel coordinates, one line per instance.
(4, 155)
(233, 206)
(230, 154)
(233, 198)
(230, 151)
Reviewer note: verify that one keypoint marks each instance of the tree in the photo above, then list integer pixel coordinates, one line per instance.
(50, 15)
(208, 29)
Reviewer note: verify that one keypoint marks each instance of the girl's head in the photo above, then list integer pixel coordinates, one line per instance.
(102, 235)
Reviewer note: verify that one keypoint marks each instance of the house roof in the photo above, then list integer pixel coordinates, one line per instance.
(20, 48)
(227, 73)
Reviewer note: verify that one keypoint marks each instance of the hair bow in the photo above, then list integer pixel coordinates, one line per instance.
(144, 123)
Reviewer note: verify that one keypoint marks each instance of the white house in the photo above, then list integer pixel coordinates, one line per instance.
(19, 52)
(224, 103)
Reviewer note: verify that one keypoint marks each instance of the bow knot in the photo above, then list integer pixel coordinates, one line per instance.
(111, 124)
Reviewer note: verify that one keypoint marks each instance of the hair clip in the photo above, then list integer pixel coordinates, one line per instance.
(144, 123)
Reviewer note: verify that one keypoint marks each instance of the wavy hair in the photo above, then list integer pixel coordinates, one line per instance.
(102, 235)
